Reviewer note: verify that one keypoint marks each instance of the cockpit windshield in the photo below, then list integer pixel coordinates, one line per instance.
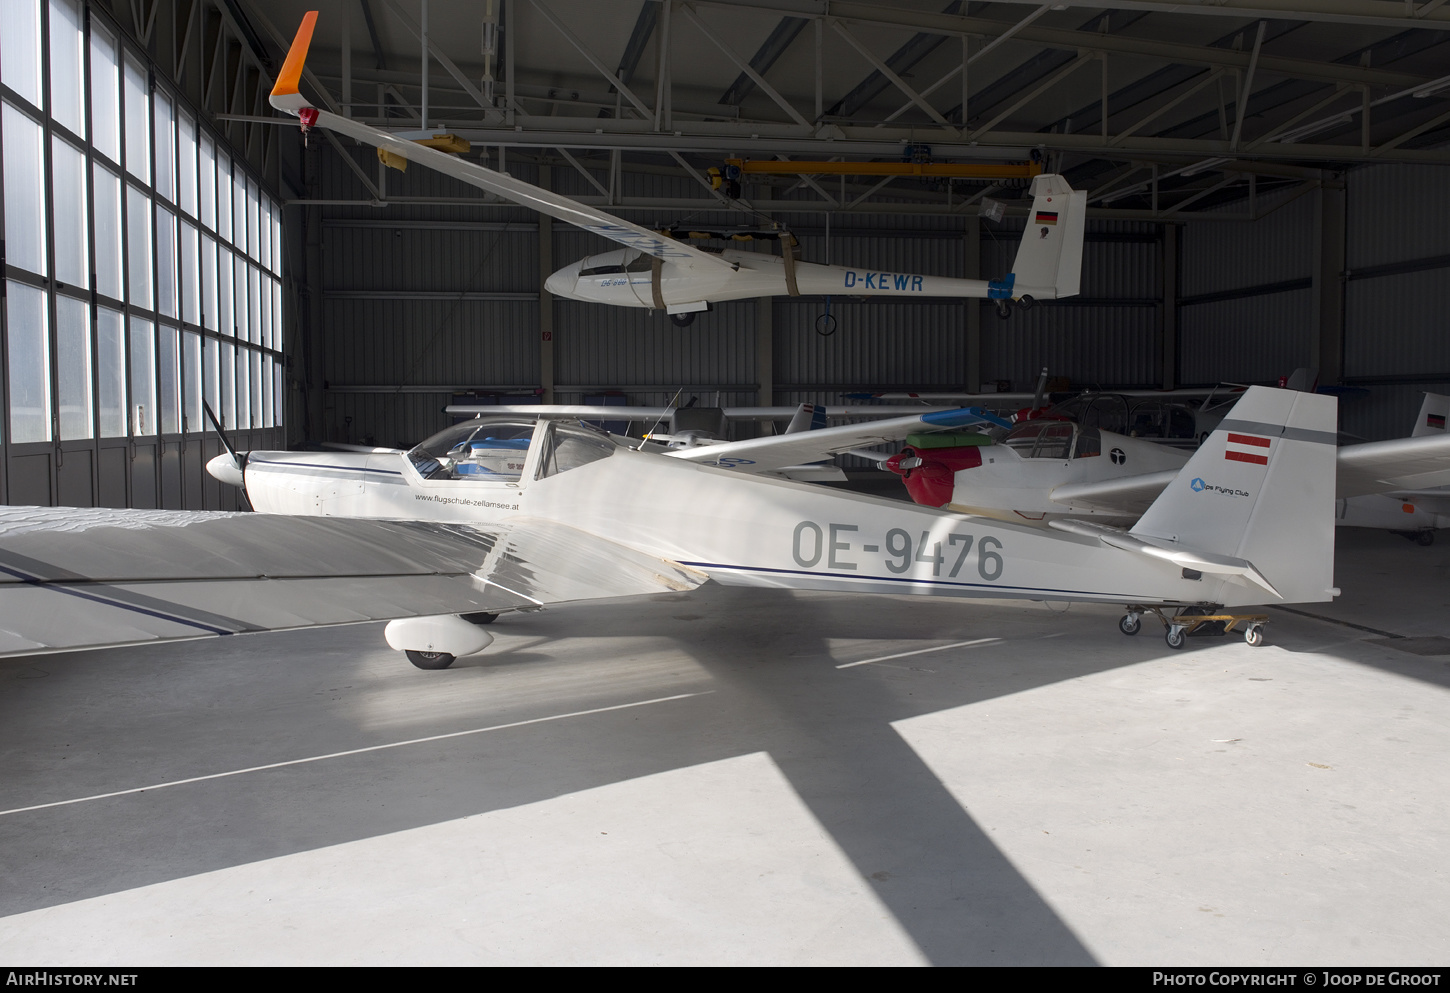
(476, 450)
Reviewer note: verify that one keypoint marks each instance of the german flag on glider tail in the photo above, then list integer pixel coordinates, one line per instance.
(1046, 217)
(1250, 441)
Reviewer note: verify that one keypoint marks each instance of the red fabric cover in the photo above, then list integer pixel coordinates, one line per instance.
(930, 484)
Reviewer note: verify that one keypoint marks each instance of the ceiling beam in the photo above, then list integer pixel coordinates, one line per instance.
(744, 66)
(765, 56)
(877, 15)
(644, 28)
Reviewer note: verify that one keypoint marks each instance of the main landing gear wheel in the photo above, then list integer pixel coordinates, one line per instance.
(1254, 636)
(683, 320)
(1175, 637)
(1425, 539)
(430, 660)
(1130, 624)
(1025, 302)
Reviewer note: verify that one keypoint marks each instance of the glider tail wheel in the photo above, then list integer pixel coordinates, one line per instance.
(430, 660)
(683, 320)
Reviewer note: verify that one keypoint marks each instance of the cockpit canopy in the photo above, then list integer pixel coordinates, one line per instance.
(477, 449)
(1053, 439)
(497, 449)
(620, 260)
(1146, 418)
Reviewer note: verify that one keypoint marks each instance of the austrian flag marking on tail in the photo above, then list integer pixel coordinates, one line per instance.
(1252, 449)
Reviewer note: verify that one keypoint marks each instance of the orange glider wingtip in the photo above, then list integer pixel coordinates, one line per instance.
(291, 73)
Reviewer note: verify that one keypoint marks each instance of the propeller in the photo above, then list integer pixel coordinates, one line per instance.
(230, 467)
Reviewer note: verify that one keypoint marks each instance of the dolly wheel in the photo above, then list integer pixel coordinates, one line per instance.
(1175, 637)
(1254, 636)
(1130, 624)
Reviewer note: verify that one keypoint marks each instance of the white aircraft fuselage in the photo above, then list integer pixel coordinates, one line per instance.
(623, 278)
(739, 529)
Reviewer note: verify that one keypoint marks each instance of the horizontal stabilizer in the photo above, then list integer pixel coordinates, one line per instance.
(1236, 570)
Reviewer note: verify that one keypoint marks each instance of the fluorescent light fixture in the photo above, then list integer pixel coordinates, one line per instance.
(1309, 130)
(1203, 166)
(1430, 89)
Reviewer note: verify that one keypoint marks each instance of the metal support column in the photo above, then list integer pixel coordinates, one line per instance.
(546, 299)
(972, 269)
(1329, 228)
(1168, 309)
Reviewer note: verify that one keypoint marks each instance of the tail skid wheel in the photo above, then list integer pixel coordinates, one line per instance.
(430, 660)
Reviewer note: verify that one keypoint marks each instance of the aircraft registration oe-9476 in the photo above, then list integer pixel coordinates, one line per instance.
(502, 513)
(658, 272)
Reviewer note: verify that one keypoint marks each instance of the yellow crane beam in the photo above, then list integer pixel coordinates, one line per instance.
(1014, 170)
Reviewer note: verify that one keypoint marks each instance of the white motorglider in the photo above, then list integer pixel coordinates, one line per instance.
(1066, 467)
(661, 273)
(503, 513)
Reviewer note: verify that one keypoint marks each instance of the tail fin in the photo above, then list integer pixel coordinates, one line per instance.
(1260, 489)
(808, 417)
(1049, 260)
(1432, 415)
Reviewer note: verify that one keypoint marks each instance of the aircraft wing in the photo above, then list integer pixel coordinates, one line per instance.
(775, 452)
(617, 413)
(1395, 465)
(285, 97)
(1126, 495)
(73, 579)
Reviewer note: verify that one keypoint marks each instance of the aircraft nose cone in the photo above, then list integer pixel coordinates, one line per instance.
(222, 467)
(561, 283)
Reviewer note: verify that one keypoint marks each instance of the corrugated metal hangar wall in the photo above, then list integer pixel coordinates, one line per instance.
(421, 302)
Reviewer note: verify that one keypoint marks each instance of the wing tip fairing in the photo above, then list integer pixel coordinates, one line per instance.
(291, 74)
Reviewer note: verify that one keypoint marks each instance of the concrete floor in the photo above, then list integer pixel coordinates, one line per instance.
(708, 778)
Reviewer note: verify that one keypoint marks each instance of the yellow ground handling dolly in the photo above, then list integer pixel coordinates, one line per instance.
(1196, 620)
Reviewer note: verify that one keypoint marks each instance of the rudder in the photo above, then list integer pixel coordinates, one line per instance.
(1048, 265)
